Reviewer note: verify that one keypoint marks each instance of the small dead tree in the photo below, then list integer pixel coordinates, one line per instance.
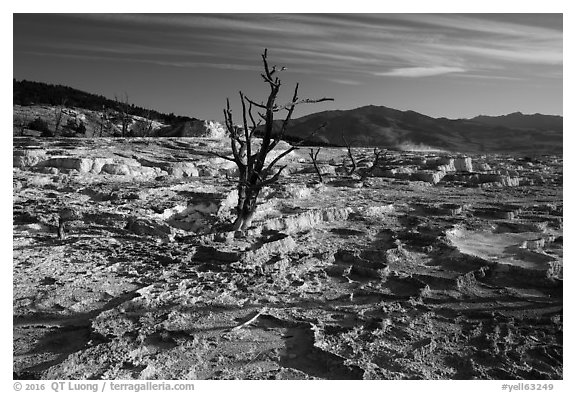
(65, 215)
(145, 126)
(106, 122)
(314, 157)
(58, 113)
(350, 155)
(124, 109)
(103, 121)
(254, 172)
(377, 153)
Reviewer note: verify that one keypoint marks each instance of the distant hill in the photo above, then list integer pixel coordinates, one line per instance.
(391, 128)
(365, 126)
(28, 93)
(520, 120)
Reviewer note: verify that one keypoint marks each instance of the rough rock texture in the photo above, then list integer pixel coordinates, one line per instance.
(195, 129)
(28, 158)
(82, 165)
(429, 176)
(499, 179)
(463, 164)
(366, 276)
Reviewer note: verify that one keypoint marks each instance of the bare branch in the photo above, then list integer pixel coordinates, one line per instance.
(308, 138)
(247, 140)
(377, 153)
(223, 156)
(254, 173)
(230, 128)
(302, 101)
(268, 127)
(314, 157)
(286, 120)
(273, 179)
(237, 150)
(254, 124)
(228, 118)
(280, 156)
(255, 103)
(294, 146)
(274, 83)
(351, 171)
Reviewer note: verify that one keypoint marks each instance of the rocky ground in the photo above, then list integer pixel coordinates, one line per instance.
(424, 266)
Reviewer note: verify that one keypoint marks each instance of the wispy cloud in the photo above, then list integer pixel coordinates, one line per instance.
(512, 52)
(419, 72)
(169, 63)
(346, 47)
(347, 82)
(374, 51)
(484, 24)
(125, 49)
(490, 77)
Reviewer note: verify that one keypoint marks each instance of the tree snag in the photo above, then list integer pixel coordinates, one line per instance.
(350, 155)
(61, 229)
(314, 157)
(377, 153)
(254, 172)
(65, 215)
(124, 108)
(58, 113)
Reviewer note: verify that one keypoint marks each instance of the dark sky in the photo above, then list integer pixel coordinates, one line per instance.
(438, 64)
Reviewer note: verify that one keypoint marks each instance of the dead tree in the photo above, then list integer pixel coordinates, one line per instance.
(377, 153)
(254, 172)
(350, 155)
(142, 127)
(58, 113)
(314, 157)
(146, 125)
(103, 121)
(124, 109)
(65, 215)
(61, 229)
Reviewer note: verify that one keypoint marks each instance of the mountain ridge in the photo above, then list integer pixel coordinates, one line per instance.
(373, 125)
(366, 126)
(27, 93)
(522, 120)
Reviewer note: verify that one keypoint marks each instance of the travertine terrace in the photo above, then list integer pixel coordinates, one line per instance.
(430, 265)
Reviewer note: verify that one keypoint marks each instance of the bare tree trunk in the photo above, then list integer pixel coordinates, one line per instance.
(103, 120)
(351, 171)
(254, 172)
(247, 199)
(58, 116)
(148, 124)
(314, 157)
(377, 153)
(124, 108)
(61, 229)
(124, 125)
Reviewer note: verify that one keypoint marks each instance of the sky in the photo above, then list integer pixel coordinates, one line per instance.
(441, 65)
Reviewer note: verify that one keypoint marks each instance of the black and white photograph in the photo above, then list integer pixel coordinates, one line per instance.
(287, 196)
